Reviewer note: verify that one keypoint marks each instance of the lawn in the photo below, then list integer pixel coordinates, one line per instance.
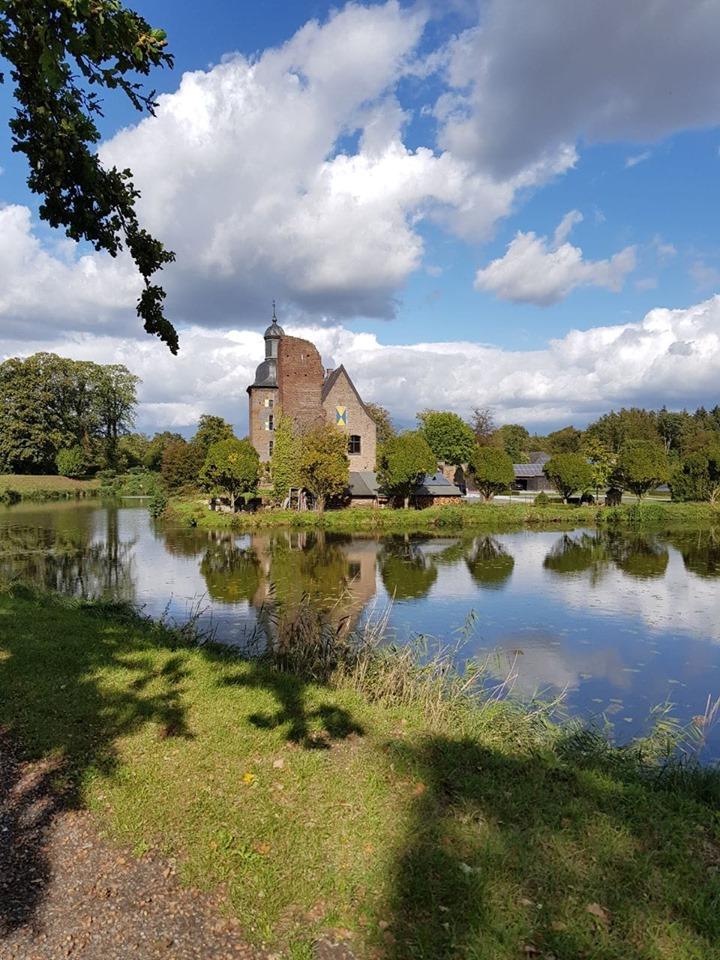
(32, 487)
(478, 836)
(489, 516)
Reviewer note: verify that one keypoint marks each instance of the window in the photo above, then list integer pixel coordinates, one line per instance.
(270, 448)
(354, 443)
(271, 422)
(268, 402)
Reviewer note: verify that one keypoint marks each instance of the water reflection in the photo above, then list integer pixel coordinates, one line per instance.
(636, 555)
(622, 621)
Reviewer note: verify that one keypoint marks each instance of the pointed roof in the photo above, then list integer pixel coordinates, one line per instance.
(332, 378)
(274, 330)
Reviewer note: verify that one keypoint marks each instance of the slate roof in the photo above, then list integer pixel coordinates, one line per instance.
(437, 485)
(363, 483)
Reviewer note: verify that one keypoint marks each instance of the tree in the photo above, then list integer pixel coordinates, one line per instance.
(50, 403)
(116, 398)
(617, 428)
(156, 448)
(132, 450)
(324, 465)
(567, 440)
(568, 472)
(210, 430)
(697, 476)
(71, 462)
(285, 459)
(642, 466)
(515, 440)
(181, 464)
(492, 470)
(482, 424)
(449, 437)
(602, 461)
(59, 53)
(403, 462)
(232, 466)
(381, 417)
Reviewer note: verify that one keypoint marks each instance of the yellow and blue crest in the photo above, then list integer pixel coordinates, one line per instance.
(341, 416)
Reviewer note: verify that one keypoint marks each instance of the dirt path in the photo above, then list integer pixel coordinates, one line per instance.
(66, 893)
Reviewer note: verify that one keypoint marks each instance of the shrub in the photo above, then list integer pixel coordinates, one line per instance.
(542, 499)
(569, 472)
(71, 462)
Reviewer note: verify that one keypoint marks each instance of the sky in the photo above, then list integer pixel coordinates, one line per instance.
(498, 204)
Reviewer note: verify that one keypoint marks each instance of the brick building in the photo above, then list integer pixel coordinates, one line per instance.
(292, 379)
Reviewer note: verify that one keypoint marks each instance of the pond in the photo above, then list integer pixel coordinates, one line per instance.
(619, 621)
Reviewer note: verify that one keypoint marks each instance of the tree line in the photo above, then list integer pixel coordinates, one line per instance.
(61, 415)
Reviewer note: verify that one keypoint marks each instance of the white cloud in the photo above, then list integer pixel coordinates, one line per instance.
(706, 277)
(535, 76)
(671, 356)
(637, 158)
(535, 270)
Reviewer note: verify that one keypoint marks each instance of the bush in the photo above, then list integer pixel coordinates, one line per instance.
(71, 462)
(158, 504)
(542, 499)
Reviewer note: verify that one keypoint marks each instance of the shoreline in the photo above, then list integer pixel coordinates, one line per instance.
(191, 511)
(391, 790)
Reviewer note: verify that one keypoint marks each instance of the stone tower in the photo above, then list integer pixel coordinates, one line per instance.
(263, 393)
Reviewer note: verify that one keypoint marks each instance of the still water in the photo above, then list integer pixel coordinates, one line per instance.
(619, 622)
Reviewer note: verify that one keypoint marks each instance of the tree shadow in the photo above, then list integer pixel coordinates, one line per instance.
(314, 728)
(60, 710)
(511, 855)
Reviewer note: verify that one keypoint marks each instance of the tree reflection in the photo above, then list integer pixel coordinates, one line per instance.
(76, 551)
(406, 572)
(700, 551)
(636, 555)
(231, 574)
(489, 563)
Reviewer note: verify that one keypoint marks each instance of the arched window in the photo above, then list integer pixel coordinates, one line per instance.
(354, 443)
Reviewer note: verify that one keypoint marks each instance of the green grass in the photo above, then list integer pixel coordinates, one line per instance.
(482, 835)
(16, 486)
(490, 516)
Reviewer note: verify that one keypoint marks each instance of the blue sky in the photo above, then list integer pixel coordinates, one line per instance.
(395, 174)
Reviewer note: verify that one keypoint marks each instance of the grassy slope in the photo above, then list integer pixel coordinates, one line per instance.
(29, 486)
(318, 809)
(485, 515)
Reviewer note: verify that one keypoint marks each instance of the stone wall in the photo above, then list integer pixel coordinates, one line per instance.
(359, 422)
(300, 381)
(263, 406)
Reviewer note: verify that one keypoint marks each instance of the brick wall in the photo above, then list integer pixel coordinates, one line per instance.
(300, 380)
(359, 423)
(263, 405)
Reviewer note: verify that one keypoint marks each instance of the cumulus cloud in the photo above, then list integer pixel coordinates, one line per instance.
(542, 271)
(670, 356)
(533, 77)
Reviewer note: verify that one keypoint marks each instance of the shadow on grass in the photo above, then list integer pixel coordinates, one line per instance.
(511, 856)
(59, 705)
(314, 729)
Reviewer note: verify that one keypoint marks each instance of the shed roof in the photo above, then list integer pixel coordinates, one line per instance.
(363, 483)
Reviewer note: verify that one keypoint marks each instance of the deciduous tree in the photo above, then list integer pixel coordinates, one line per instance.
(482, 424)
(285, 459)
(210, 430)
(403, 462)
(232, 466)
(449, 437)
(61, 52)
(515, 440)
(492, 470)
(324, 465)
(642, 466)
(569, 473)
(383, 422)
(181, 464)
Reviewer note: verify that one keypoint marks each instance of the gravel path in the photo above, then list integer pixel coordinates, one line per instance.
(64, 892)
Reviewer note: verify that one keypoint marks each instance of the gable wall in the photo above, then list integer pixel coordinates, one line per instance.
(358, 422)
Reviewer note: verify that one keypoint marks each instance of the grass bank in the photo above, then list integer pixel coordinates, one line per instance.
(490, 516)
(359, 802)
(15, 487)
